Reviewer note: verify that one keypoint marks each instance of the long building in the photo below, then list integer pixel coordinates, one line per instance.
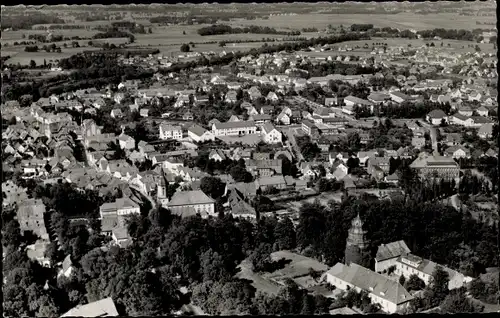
(430, 166)
(234, 128)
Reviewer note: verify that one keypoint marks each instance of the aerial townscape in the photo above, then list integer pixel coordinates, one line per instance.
(250, 159)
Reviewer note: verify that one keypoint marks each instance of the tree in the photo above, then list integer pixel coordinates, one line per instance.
(402, 280)
(185, 48)
(32, 64)
(414, 283)
(457, 302)
(222, 43)
(240, 174)
(439, 284)
(212, 186)
(477, 48)
(285, 235)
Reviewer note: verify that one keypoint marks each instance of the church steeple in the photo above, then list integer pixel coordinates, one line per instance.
(357, 243)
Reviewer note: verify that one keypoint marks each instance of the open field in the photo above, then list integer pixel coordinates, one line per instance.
(24, 58)
(400, 20)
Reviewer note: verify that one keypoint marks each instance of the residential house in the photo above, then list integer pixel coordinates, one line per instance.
(217, 155)
(271, 96)
(382, 162)
(418, 142)
(37, 252)
(67, 267)
(101, 308)
(254, 93)
(260, 118)
(234, 128)
(264, 168)
(126, 142)
(457, 152)
(199, 134)
(351, 101)
(267, 110)
(388, 254)
(239, 207)
(378, 98)
(388, 293)
(485, 131)
(112, 214)
(393, 179)
(409, 264)
(168, 131)
(30, 215)
(482, 111)
(144, 112)
(306, 168)
(188, 203)
(266, 183)
(283, 119)
(231, 97)
(116, 113)
(399, 97)
(270, 134)
(474, 96)
(188, 116)
(465, 111)
(436, 116)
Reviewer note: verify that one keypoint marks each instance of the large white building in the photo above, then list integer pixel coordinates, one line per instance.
(270, 134)
(410, 264)
(199, 134)
(234, 128)
(188, 203)
(121, 207)
(389, 294)
(170, 132)
(388, 254)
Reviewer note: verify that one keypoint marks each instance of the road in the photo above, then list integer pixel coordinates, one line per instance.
(290, 133)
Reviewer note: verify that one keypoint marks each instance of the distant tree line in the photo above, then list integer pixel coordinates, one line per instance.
(216, 29)
(361, 27)
(26, 21)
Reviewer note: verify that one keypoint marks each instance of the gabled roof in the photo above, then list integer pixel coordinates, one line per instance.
(391, 250)
(372, 282)
(197, 130)
(190, 198)
(437, 113)
(267, 128)
(101, 308)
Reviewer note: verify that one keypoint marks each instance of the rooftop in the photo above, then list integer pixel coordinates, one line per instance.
(190, 198)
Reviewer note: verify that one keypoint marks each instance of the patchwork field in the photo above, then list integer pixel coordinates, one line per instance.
(400, 20)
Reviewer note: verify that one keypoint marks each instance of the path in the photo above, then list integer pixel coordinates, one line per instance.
(290, 133)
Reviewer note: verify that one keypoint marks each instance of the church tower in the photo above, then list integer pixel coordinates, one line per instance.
(357, 247)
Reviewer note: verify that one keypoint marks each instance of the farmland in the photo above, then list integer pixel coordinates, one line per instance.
(400, 20)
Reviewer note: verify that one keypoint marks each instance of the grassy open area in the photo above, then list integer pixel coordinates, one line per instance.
(400, 20)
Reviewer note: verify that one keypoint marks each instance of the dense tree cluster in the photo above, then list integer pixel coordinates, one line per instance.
(27, 20)
(361, 27)
(216, 29)
(308, 148)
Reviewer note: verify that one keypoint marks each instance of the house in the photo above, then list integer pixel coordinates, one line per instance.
(234, 118)
(387, 255)
(271, 96)
(254, 93)
(399, 97)
(267, 110)
(217, 155)
(168, 131)
(270, 134)
(409, 264)
(307, 170)
(121, 237)
(234, 128)
(101, 308)
(30, 215)
(36, 252)
(188, 203)
(231, 97)
(126, 142)
(265, 183)
(260, 118)
(283, 118)
(144, 112)
(378, 98)
(239, 207)
(264, 168)
(474, 96)
(382, 162)
(465, 111)
(351, 101)
(436, 116)
(188, 116)
(457, 152)
(67, 267)
(121, 207)
(252, 111)
(199, 134)
(116, 113)
(482, 111)
(418, 142)
(485, 131)
(389, 294)
(331, 101)
(393, 178)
